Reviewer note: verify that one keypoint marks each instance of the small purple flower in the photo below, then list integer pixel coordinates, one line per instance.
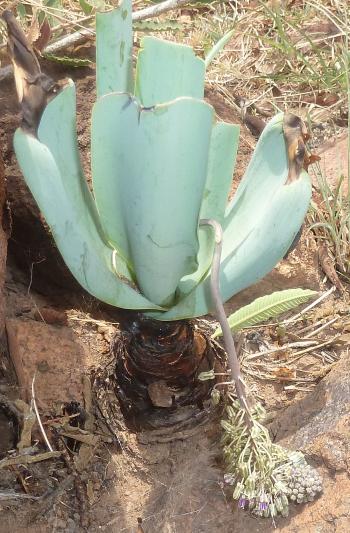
(242, 502)
(263, 506)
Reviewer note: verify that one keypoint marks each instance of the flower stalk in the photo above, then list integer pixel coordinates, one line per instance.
(232, 358)
(265, 476)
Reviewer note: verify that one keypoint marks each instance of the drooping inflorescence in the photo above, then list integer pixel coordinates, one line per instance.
(265, 476)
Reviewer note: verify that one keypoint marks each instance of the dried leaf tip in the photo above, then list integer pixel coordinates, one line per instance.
(139, 526)
(296, 135)
(34, 88)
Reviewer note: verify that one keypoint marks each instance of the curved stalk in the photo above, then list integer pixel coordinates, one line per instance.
(232, 358)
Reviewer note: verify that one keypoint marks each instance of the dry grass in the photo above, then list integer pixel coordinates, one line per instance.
(282, 55)
(294, 353)
(279, 59)
(297, 50)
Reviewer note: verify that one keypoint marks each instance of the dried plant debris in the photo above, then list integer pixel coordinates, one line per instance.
(28, 459)
(34, 88)
(28, 421)
(328, 267)
(10, 419)
(293, 354)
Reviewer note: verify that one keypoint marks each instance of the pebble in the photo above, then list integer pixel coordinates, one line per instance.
(60, 523)
(95, 476)
(100, 468)
(71, 526)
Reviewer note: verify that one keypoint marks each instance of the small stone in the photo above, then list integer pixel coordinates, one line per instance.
(71, 526)
(60, 523)
(100, 468)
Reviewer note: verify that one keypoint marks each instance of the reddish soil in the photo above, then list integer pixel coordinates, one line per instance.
(4, 227)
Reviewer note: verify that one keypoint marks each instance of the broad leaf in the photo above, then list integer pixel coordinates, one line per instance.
(222, 158)
(52, 170)
(149, 173)
(165, 71)
(114, 50)
(260, 225)
(266, 307)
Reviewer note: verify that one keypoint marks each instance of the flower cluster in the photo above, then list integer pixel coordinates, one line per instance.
(304, 483)
(265, 476)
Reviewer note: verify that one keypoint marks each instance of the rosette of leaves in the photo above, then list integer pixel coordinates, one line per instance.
(160, 163)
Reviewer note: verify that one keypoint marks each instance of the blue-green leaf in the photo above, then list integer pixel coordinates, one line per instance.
(52, 170)
(261, 222)
(149, 173)
(114, 50)
(222, 158)
(166, 71)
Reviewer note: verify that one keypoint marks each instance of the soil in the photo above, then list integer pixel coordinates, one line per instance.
(4, 222)
(60, 334)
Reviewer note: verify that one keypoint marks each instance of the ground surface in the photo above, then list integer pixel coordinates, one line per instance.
(175, 484)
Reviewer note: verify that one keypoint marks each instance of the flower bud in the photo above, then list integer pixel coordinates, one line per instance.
(215, 397)
(238, 490)
(204, 376)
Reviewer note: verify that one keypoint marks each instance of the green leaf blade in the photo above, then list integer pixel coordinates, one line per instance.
(222, 158)
(86, 255)
(149, 172)
(266, 307)
(166, 71)
(52, 170)
(114, 50)
(259, 226)
(218, 47)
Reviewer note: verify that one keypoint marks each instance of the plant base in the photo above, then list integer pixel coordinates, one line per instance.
(157, 368)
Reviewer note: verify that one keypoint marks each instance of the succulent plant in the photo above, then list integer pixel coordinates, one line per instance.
(160, 164)
(141, 239)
